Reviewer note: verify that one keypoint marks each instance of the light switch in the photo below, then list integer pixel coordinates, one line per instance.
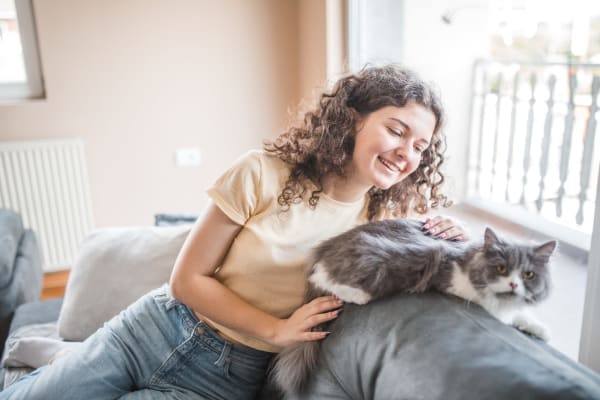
(188, 157)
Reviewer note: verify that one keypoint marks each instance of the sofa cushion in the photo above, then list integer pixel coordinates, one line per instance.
(433, 346)
(113, 268)
(36, 312)
(11, 231)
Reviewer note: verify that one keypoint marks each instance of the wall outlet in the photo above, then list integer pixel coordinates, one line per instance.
(188, 157)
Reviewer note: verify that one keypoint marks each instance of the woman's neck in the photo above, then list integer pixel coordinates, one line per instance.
(343, 189)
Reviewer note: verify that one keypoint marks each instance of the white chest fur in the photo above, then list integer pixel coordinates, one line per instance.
(461, 285)
(321, 279)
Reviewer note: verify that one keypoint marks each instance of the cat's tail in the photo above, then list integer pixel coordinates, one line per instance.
(294, 364)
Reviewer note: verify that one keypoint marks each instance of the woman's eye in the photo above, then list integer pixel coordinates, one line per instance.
(395, 132)
(528, 275)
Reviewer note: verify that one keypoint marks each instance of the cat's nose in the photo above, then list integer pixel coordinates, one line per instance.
(513, 285)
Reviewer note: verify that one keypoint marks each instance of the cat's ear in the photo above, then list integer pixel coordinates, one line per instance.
(489, 237)
(545, 250)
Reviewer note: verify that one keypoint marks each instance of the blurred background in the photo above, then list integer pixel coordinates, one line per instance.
(115, 110)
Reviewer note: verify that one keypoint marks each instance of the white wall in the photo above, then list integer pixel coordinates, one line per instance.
(444, 54)
(589, 350)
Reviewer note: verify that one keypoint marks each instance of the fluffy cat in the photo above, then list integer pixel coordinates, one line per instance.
(381, 258)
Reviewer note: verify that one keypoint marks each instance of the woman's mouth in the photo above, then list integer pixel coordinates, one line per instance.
(390, 166)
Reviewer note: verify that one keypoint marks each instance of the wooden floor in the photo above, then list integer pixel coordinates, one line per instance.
(54, 284)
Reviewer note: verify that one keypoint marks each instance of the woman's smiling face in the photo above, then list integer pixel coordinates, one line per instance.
(389, 145)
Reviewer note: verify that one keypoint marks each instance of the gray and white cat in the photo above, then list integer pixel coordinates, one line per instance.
(381, 258)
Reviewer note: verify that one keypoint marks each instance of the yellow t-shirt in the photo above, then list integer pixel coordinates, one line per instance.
(265, 265)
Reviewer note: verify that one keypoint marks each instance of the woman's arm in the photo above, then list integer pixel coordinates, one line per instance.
(192, 283)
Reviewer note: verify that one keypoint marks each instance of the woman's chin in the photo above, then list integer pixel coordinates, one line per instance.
(385, 184)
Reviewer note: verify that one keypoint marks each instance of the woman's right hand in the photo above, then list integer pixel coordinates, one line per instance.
(298, 327)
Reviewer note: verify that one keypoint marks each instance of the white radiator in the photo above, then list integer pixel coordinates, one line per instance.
(46, 181)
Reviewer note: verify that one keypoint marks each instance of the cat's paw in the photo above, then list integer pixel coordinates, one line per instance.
(531, 326)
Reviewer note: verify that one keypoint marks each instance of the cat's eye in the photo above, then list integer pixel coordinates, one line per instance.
(528, 275)
(501, 269)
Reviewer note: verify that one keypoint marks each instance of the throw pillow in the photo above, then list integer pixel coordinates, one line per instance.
(113, 268)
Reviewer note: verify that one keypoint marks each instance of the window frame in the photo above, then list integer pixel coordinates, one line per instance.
(33, 87)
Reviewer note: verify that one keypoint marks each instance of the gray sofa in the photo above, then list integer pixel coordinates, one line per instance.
(20, 268)
(428, 346)
(434, 346)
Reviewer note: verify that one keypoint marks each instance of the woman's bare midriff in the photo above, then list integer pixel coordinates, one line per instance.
(214, 328)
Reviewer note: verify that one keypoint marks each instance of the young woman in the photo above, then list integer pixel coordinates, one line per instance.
(371, 149)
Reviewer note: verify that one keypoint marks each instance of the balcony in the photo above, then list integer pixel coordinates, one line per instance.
(533, 171)
(533, 156)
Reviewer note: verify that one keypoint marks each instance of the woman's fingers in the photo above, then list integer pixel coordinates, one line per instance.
(323, 304)
(312, 336)
(316, 312)
(445, 228)
(319, 319)
(451, 233)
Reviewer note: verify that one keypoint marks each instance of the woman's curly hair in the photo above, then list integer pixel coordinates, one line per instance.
(324, 142)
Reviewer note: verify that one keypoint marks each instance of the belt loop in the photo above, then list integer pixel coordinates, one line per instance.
(223, 360)
(171, 302)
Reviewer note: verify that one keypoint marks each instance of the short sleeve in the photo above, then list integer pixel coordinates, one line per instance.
(237, 191)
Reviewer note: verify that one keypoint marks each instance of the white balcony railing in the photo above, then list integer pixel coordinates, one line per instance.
(533, 156)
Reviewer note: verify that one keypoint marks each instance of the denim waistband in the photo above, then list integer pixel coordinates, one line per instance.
(211, 338)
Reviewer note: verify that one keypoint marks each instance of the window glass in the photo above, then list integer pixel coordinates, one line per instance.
(12, 67)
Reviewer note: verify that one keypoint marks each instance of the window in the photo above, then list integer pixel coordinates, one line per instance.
(375, 32)
(20, 73)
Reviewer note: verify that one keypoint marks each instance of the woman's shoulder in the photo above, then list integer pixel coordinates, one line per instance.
(266, 170)
(262, 158)
(268, 165)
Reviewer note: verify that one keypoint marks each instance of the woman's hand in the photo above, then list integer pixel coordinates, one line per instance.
(298, 327)
(446, 228)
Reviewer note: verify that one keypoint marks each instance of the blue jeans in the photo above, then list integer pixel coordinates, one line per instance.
(155, 349)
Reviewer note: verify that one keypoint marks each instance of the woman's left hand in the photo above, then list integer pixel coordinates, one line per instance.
(445, 228)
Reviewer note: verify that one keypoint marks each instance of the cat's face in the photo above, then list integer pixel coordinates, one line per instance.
(517, 274)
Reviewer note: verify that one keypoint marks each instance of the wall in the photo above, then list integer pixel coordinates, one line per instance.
(322, 46)
(445, 54)
(137, 79)
(312, 45)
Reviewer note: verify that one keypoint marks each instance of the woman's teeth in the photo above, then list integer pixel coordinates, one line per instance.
(389, 165)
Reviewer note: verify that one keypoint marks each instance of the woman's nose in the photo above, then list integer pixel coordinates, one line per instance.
(404, 158)
(405, 149)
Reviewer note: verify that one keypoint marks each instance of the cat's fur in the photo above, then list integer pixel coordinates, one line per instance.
(381, 258)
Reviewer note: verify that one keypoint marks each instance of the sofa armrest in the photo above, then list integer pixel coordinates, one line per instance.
(20, 268)
(433, 346)
(20, 263)
(11, 231)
